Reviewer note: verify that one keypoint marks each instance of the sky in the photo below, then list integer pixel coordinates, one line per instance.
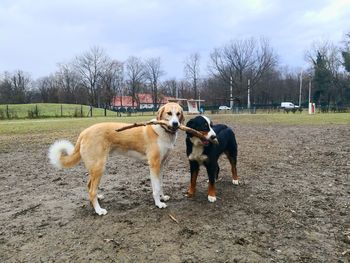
(37, 35)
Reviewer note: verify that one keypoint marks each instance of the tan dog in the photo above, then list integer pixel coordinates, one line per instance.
(152, 143)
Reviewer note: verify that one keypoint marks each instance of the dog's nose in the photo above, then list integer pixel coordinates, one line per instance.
(213, 137)
(175, 124)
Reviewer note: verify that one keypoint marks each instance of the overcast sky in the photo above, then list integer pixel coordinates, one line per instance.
(35, 35)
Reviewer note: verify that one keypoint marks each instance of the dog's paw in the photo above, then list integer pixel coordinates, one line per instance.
(235, 182)
(165, 198)
(161, 205)
(190, 194)
(211, 199)
(101, 211)
(100, 196)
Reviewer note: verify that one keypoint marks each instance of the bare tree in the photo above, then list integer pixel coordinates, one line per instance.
(170, 87)
(48, 89)
(68, 84)
(6, 91)
(241, 60)
(90, 66)
(135, 76)
(153, 72)
(111, 81)
(20, 84)
(192, 71)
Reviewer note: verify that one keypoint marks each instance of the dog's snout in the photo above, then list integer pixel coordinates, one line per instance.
(175, 124)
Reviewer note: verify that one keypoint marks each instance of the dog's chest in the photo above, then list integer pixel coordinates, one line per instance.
(197, 154)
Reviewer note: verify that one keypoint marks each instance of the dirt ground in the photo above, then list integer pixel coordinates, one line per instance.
(292, 204)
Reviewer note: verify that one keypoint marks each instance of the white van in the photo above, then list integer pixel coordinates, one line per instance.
(288, 105)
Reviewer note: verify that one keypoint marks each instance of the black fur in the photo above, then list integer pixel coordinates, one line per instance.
(227, 144)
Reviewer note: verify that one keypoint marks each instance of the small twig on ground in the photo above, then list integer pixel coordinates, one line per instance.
(24, 211)
(173, 218)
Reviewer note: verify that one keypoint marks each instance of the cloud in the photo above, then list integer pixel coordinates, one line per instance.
(36, 35)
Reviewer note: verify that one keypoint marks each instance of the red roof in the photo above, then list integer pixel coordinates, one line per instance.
(144, 98)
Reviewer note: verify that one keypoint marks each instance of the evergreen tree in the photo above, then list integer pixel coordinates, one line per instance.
(322, 80)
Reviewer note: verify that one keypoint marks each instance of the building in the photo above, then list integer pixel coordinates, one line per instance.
(143, 102)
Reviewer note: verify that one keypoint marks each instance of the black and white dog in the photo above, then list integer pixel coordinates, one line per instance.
(220, 139)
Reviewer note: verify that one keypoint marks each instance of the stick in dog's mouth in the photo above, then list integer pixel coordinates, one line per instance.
(170, 128)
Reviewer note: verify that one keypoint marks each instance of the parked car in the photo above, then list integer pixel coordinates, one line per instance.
(224, 108)
(289, 106)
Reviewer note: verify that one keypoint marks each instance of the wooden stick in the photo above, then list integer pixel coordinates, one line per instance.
(181, 127)
(142, 124)
(196, 133)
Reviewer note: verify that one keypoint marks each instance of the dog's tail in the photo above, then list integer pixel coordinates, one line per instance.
(63, 154)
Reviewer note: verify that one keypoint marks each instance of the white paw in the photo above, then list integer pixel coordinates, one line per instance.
(101, 211)
(100, 196)
(165, 198)
(235, 182)
(161, 205)
(211, 199)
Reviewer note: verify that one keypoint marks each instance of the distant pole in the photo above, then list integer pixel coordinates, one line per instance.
(301, 84)
(176, 91)
(248, 104)
(309, 91)
(199, 99)
(231, 95)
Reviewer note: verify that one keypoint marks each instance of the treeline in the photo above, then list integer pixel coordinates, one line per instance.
(94, 78)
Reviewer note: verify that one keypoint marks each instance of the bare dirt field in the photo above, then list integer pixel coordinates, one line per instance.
(293, 203)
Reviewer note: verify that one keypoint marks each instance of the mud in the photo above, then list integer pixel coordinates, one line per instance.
(292, 204)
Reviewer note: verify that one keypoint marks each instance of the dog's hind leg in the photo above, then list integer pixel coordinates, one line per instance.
(233, 162)
(94, 181)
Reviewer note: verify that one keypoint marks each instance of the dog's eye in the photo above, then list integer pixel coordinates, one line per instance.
(169, 113)
(178, 114)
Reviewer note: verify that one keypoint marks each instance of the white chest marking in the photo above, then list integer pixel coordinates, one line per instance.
(166, 141)
(197, 154)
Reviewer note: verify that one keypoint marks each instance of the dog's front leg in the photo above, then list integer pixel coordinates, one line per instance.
(163, 197)
(156, 183)
(194, 169)
(212, 170)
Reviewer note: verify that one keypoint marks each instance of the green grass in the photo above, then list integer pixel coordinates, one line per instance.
(41, 126)
(46, 110)
(74, 125)
(288, 119)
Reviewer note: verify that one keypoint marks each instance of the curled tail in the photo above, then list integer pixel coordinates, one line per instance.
(63, 154)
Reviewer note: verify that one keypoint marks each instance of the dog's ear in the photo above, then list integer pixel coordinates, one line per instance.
(190, 124)
(160, 113)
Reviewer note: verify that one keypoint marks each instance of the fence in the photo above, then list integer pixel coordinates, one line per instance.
(31, 111)
(21, 111)
(273, 109)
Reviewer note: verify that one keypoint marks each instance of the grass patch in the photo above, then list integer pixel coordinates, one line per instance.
(287, 119)
(62, 124)
(73, 125)
(49, 110)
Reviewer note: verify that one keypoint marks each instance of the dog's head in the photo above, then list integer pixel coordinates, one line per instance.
(204, 125)
(173, 114)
